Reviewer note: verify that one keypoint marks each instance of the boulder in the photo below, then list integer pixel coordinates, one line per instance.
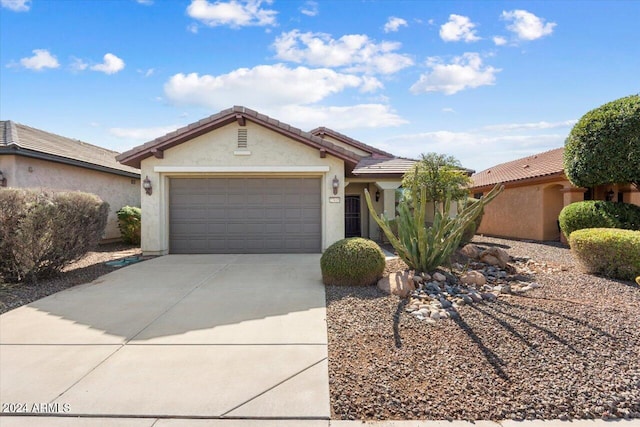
(470, 251)
(495, 256)
(400, 283)
(473, 278)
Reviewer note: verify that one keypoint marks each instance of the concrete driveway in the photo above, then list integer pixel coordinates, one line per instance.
(180, 336)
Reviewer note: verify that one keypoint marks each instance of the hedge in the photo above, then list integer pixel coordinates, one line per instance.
(599, 214)
(41, 232)
(611, 252)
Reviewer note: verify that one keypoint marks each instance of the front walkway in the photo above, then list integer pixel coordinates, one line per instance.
(231, 336)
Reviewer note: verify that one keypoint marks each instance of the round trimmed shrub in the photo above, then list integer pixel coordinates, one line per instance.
(129, 223)
(352, 262)
(611, 252)
(599, 214)
(604, 146)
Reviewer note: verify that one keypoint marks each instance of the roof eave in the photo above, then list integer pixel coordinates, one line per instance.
(523, 181)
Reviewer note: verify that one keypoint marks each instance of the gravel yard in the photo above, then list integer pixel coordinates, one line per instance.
(87, 269)
(568, 350)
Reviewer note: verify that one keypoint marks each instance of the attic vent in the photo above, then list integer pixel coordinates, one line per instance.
(242, 139)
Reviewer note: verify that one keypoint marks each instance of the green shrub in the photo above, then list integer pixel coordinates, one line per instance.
(604, 145)
(352, 262)
(129, 220)
(42, 232)
(472, 227)
(611, 252)
(599, 214)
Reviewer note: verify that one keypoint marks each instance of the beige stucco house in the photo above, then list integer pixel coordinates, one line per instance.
(536, 190)
(32, 158)
(242, 182)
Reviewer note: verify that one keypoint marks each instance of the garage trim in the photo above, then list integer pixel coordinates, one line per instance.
(240, 169)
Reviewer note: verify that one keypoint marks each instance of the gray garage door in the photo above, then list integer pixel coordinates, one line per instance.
(244, 215)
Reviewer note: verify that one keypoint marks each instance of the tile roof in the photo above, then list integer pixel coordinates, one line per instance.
(134, 156)
(539, 165)
(16, 138)
(321, 131)
(378, 166)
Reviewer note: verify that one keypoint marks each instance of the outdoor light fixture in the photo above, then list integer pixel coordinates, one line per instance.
(146, 184)
(377, 195)
(336, 184)
(3, 180)
(610, 194)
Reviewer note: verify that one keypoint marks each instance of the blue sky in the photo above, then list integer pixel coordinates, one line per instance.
(484, 81)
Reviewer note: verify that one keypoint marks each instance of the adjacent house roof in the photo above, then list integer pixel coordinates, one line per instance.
(370, 166)
(547, 164)
(30, 142)
(375, 152)
(240, 114)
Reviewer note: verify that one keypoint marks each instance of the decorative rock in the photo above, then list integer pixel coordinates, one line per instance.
(470, 251)
(417, 280)
(445, 303)
(488, 296)
(439, 277)
(435, 315)
(467, 299)
(473, 278)
(397, 284)
(424, 312)
(495, 256)
(476, 297)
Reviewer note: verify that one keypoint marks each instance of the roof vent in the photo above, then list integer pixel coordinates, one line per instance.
(242, 139)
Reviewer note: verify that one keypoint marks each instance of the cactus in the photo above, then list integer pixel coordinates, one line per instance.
(425, 248)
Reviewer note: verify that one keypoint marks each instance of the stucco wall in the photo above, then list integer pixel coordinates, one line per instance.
(216, 149)
(116, 190)
(516, 212)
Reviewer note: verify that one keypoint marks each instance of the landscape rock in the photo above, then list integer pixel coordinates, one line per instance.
(473, 277)
(439, 277)
(495, 256)
(470, 251)
(399, 283)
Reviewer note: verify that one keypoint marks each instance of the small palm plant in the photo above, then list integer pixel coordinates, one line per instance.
(423, 248)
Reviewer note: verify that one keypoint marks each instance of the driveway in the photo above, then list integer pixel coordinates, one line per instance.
(180, 336)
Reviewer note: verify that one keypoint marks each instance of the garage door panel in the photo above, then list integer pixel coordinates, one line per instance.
(245, 215)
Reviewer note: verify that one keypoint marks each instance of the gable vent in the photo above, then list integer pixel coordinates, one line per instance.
(242, 139)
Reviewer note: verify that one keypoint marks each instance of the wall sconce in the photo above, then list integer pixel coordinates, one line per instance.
(377, 195)
(3, 180)
(336, 184)
(146, 184)
(610, 194)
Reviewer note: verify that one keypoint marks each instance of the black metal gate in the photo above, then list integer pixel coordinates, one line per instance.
(352, 216)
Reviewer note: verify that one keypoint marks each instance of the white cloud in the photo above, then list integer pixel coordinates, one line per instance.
(193, 28)
(464, 72)
(289, 94)
(533, 125)
(527, 26)
(16, 5)
(499, 40)
(458, 28)
(476, 149)
(260, 86)
(78, 64)
(394, 23)
(40, 60)
(146, 73)
(142, 134)
(448, 110)
(309, 8)
(354, 52)
(234, 13)
(145, 2)
(111, 65)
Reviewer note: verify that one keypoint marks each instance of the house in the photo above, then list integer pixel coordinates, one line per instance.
(31, 158)
(536, 190)
(242, 182)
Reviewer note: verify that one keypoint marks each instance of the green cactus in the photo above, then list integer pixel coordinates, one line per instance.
(425, 248)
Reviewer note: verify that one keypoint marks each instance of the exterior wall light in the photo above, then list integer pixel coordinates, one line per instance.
(336, 184)
(146, 184)
(3, 180)
(377, 195)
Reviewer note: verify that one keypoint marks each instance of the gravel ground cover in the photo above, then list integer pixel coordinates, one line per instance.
(568, 350)
(87, 269)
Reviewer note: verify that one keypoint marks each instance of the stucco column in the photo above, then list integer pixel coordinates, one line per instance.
(389, 197)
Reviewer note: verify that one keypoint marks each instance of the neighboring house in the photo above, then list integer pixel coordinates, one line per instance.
(536, 190)
(32, 158)
(241, 182)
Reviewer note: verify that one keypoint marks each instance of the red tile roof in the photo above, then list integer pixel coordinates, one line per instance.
(539, 165)
(380, 166)
(322, 131)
